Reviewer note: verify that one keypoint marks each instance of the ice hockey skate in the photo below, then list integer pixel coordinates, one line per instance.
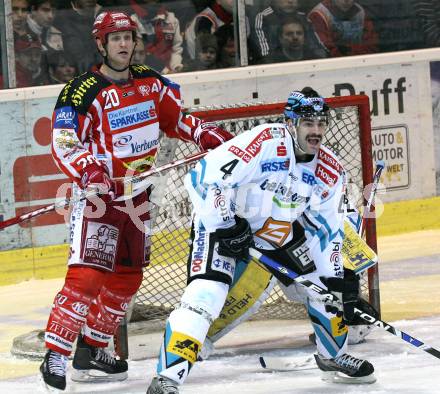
(92, 364)
(53, 371)
(162, 385)
(345, 369)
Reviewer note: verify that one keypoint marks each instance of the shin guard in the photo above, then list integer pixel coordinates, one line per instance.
(187, 327)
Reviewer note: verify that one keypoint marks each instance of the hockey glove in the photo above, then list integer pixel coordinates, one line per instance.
(96, 177)
(210, 135)
(347, 290)
(366, 307)
(235, 241)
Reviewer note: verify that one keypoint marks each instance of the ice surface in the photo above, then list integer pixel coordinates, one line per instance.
(400, 368)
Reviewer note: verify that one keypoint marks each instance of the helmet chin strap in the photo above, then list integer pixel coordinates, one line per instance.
(292, 131)
(107, 63)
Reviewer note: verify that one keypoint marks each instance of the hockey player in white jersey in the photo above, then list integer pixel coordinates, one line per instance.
(275, 188)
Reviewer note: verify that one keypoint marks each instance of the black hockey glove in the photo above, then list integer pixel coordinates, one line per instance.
(366, 307)
(346, 288)
(235, 241)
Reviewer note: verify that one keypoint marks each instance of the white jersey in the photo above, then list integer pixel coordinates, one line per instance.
(256, 176)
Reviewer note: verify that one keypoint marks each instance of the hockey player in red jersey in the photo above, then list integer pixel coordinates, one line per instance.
(278, 189)
(106, 125)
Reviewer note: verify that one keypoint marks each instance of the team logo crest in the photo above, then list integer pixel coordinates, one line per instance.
(144, 90)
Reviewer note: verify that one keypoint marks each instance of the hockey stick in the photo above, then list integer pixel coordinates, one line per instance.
(327, 296)
(285, 364)
(380, 165)
(84, 195)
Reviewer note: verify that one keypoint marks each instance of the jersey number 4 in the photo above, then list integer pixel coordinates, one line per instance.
(228, 168)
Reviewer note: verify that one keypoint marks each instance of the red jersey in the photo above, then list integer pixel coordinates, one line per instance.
(118, 125)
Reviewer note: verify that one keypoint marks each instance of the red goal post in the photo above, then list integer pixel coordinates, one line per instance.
(349, 136)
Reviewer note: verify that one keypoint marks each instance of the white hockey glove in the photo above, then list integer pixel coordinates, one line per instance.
(235, 241)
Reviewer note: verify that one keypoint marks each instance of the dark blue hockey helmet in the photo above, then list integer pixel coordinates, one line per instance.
(307, 103)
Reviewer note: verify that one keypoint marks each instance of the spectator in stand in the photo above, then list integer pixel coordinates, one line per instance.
(396, 23)
(344, 28)
(226, 47)
(429, 13)
(75, 25)
(54, 39)
(307, 5)
(20, 11)
(218, 14)
(292, 39)
(29, 70)
(61, 67)
(161, 31)
(139, 53)
(266, 28)
(40, 22)
(207, 53)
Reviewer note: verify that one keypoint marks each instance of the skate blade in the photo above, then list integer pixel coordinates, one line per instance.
(93, 375)
(338, 377)
(45, 388)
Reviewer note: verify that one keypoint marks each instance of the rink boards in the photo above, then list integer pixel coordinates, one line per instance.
(50, 261)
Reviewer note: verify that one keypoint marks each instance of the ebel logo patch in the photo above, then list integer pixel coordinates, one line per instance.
(277, 132)
(132, 115)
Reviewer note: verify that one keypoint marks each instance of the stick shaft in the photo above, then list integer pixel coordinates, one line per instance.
(380, 165)
(331, 297)
(84, 195)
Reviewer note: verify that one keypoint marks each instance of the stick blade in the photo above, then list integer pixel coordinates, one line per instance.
(282, 364)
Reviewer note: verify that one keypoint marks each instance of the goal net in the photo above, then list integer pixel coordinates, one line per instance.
(164, 280)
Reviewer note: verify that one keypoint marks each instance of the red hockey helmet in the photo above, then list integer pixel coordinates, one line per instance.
(110, 22)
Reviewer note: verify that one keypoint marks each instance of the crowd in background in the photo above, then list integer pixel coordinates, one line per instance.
(53, 41)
